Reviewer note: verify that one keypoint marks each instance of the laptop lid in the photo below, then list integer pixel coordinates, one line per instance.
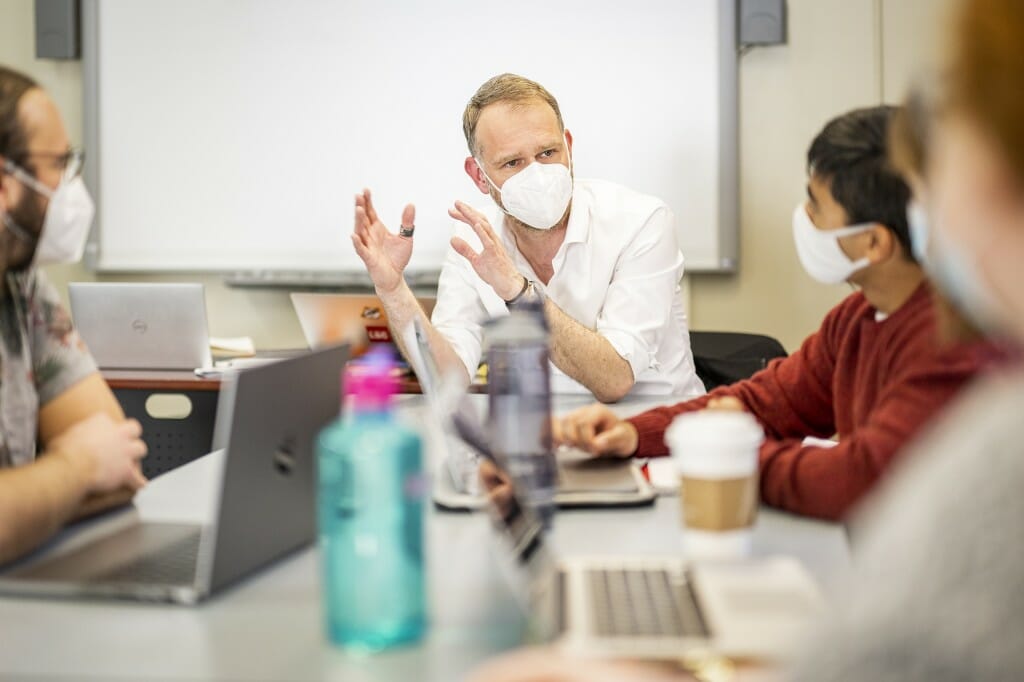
(328, 319)
(270, 417)
(447, 401)
(142, 325)
(442, 392)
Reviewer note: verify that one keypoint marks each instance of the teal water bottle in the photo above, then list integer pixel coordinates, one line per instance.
(371, 490)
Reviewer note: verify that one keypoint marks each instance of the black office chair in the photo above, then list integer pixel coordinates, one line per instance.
(723, 358)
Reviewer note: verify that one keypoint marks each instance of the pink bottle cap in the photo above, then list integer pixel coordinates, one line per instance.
(371, 380)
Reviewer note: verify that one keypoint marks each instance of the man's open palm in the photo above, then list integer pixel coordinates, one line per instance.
(384, 254)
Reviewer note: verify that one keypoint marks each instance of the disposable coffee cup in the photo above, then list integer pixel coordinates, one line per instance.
(716, 454)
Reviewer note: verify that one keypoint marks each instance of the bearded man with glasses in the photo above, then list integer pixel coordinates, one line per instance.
(66, 449)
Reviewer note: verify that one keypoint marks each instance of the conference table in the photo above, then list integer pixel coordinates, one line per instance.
(269, 626)
(179, 439)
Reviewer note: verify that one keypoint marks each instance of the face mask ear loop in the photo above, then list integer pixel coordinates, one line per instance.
(480, 165)
(491, 183)
(18, 231)
(25, 178)
(568, 152)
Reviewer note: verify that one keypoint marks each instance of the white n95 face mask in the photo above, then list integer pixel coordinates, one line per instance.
(537, 195)
(819, 250)
(66, 223)
(66, 226)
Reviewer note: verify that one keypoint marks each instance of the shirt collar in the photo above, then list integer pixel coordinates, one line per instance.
(578, 229)
(920, 296)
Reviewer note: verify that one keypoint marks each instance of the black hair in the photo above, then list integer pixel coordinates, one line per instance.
(13, 141)
(851, 155)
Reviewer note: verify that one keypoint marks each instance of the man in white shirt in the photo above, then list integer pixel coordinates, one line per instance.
(602, 258)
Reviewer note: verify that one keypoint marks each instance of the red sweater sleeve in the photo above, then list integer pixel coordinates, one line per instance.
(790, 397)
(800, 396)
(825, 482)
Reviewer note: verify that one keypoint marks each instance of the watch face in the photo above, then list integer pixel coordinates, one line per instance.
(536, 293)
(532, 298)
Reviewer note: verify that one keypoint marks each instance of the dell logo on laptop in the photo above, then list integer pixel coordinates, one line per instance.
(140, 326)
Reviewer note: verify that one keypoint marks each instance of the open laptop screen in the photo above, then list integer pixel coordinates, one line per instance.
(359, 320)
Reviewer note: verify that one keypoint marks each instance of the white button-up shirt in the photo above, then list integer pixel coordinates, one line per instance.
(616, 273)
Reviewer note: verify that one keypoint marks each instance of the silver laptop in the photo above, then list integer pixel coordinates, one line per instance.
(135, 325)
(657, 608)
(269, 417)
(583, 481)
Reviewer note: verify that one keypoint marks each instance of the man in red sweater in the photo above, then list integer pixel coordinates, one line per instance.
(873, 373)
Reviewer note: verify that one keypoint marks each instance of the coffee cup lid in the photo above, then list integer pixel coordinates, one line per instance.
(715, 442)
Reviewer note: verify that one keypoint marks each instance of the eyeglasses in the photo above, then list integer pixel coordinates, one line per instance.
(70, 162)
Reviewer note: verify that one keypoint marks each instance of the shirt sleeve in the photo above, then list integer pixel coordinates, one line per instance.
(460, 313)
(59, 356)
(648, 270)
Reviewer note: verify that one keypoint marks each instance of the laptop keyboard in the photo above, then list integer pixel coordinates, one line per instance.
(639, 602)
(172, 564)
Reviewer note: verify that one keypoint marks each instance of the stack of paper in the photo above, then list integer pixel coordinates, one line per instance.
(237, 346)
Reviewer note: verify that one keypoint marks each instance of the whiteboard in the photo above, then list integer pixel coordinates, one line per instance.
(233, 135)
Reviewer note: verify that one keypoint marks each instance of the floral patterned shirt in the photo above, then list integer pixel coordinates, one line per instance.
(41, 356)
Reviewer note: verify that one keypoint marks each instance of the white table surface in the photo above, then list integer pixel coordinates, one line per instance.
(269, 626)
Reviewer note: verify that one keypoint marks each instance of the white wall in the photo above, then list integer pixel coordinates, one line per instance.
(841, 54)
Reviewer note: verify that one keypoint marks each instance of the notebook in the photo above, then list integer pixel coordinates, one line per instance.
(267, 420)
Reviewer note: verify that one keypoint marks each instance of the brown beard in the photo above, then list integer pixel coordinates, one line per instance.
(19, 249)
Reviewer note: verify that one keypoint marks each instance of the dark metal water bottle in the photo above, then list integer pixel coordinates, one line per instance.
(519, 388)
